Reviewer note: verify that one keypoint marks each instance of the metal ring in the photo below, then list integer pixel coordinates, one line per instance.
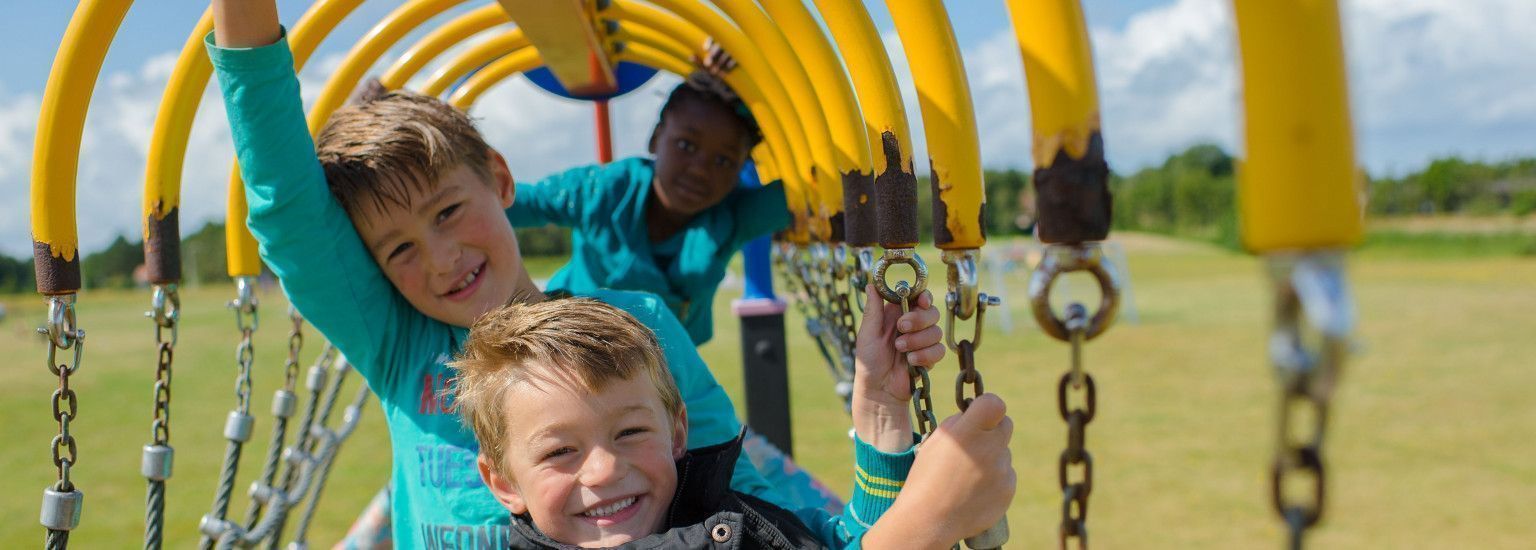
(963, 286)
(906, 256)
(1062, 259)
(61, 321)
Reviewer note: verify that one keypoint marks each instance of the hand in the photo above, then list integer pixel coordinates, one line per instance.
(963, 473)
(716, 61)
(887, 341)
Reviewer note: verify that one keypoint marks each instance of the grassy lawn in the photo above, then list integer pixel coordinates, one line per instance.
(1430, 445)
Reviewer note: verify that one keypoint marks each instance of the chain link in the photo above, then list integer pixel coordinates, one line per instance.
(62, 501)
(1075, 492)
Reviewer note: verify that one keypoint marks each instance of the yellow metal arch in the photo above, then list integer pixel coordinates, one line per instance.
(475, 56)
(949, 120)
(844, 121)
(386, 33)
(766, 37)
(167, 153)
(1298, 187)
(879, 97)
(515, 62)
(439, 40)
(1058, 65)
(56, 150)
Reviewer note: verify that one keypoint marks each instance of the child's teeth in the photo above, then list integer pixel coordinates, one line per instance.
(610, 509)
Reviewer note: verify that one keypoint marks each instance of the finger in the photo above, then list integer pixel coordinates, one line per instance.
(986, 413)
(925, 300)
(874, 313)
(930, 336)
(918, 319)
(1005, 430)
(927, 357)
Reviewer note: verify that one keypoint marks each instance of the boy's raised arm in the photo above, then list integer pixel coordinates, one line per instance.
(558, 199)
(245, 23)
(306, 238)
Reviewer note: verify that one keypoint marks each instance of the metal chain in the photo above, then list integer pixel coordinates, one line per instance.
(965, 301)
(62, 501)
(284, 403)
(920, 383)
(237, 426)
(800, 269)
(1311, 286)
(158, 455)
(1075, 329)
(1074, 493)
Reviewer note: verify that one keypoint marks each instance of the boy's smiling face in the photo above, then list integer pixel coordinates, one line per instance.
(592, 468)
(452, 253)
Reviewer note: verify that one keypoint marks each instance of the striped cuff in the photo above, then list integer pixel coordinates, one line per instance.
(878, 477)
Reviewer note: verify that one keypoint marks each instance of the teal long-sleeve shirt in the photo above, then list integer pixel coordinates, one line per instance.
(604, 205)
(309, 242)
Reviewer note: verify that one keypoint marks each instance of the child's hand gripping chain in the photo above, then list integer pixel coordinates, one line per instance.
(964, 473)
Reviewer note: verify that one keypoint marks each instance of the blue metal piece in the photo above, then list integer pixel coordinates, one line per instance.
(758, 268)
(630, 76)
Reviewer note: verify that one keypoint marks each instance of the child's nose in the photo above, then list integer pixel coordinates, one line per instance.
(601, 467)
(444, 258)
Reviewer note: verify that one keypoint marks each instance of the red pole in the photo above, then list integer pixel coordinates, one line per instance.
(604, 134)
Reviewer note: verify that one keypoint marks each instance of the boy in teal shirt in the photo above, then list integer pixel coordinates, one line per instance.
(407, 247)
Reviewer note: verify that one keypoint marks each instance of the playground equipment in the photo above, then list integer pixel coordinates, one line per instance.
(840, 141)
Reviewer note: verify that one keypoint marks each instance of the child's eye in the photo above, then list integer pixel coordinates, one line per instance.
(562, 451)
(633, 431)
(723, 161)
(446, 212)
(685, 145)
(397, 252)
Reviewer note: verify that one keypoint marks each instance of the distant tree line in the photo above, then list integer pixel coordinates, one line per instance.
(1191, 194)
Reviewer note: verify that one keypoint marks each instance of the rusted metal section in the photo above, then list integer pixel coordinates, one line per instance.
(835, 225)
(56, 274)
(896, 197)
(1072, 195)
(942, 236)
(859, 207)
(162, 247)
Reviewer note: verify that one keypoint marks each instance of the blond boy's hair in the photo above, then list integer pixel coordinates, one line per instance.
(574, 341)
(384, 147)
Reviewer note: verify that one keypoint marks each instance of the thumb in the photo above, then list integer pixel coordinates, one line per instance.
(984, 414)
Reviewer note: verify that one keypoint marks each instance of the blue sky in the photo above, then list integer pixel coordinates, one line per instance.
(1428, 78)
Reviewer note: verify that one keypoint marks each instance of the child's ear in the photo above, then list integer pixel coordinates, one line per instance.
(501, 178)
(680, 433)
(502, 487)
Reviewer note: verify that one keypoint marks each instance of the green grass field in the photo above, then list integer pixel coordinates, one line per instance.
(1431, 443)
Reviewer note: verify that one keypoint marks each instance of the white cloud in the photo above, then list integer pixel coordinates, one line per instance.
(1428, 78)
